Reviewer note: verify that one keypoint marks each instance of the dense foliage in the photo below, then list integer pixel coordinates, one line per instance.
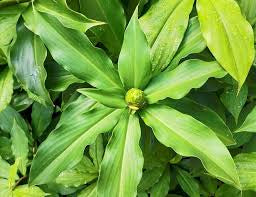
(125, 98)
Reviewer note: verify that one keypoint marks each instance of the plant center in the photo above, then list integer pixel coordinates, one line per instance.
(135, 98)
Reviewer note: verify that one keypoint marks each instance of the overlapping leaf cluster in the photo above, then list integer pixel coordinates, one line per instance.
(127, 98)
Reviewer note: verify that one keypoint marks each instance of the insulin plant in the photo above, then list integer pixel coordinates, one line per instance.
(127, 98)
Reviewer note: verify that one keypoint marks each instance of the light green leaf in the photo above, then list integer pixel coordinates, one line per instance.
(65, 15)
(41, 118)
(124, 157)
(13, 173)
(79, 126)
(28, 191)
(248, 8)
(178, 82)
(193, 42)
(96, 151)
(134, 64)
(4, 168)
(6, 87)
(222, 24)
(83, 60)
(205, 115)
(189, 137)
(246, 167)
(58, 79)
(90, 191)
(86, 165)
(162, 187)
(187, 183)
(27, 57)
(164, 25)
(20, 146)
(5, 191)
(110, 98)
(74, 178)
(249, 125)
(233, 100)
(112, 13)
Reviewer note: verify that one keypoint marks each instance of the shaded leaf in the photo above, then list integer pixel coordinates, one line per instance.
(21, 101)
(248, 8)
(96, 151)
(161, 188)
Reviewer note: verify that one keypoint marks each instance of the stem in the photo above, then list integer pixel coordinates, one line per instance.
(17, 183)
(12, 2)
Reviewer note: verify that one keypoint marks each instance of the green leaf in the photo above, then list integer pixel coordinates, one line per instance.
(226, 27)
(27, 57)
(6, 87)
(187, 183)
(234, 101)
(110, 98)
(79, 126)
(162, 187)
(65, 15)
(83, 60)
(178, 82)
(205, 115)
(13, 173)
(21, 101)
(193, 42)
(5, 148)
(58, 79)
(134, 64)
(124, 157)
(20, 146)
(226, 190)
(28, 191)
(74, 178)
(150, 177)
(41, 118)
(4, 169)
(246, 167)
(112, 13)
(5, 191)
(96, 151)
(248, 8)
(7, 118)
(8, 19)
(165, 24)
(249, 125)
(189, 137)
(2, 57)
(90, 191)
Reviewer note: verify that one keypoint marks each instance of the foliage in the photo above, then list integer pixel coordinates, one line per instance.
(123, 98)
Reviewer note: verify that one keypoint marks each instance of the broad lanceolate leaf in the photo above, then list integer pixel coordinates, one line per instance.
(189, 137)
(134, 64)
(164, 25)
(79, 126)
(27, 58)
(187, 183)
(96, 151)
(20, 146)
(109, 98)
(123, 157)
(178, 82)
(6, 87)
(41, 118)
(248, 8)
(246, 167)
(110, 12)
(205, 115)
(58, 79)
(224, 29)
(162, 187)
(65, 15)
(73, 50)
(249, 124)
(233, 100)
(28, 191)
(193, 42)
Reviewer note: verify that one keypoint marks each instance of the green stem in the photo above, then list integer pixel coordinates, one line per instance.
(12, 2)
